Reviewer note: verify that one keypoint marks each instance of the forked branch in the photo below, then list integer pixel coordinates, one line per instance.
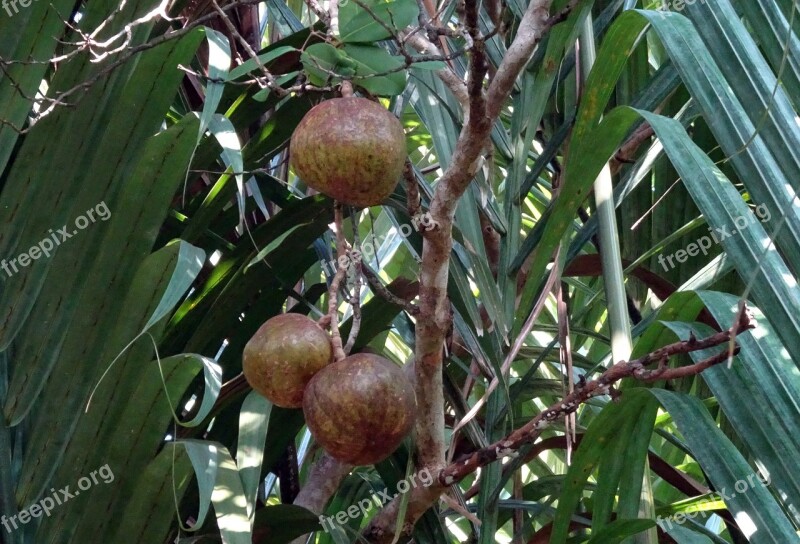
(381, 528)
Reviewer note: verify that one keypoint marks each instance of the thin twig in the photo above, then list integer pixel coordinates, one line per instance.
(331, 319)
(412, 189)
(565, 356)
(602, 386)
(124, 57)
(382, 291)
(355, 297)
(447, 75)
(271, 82)
(552, 280)
(420, 499)
(318, 10)
(333, 18)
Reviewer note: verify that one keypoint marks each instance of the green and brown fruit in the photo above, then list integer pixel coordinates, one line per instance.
(359, 409)
(283, 355)
(351, 149)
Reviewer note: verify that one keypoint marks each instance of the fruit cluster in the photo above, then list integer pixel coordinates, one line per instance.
(358, 409)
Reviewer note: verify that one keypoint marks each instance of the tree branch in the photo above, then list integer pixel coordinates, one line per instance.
(381, 528)
(602, 386)
(318, 10)
(532, 28)
(323, 480)
(448, 76)
(434, 320)
(331, 319)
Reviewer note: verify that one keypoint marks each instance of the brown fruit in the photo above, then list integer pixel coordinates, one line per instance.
(360, 408)
(283, 355)
(350, 149)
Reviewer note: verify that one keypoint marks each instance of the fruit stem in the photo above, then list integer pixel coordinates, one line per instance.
(341, 250)
(346, 89)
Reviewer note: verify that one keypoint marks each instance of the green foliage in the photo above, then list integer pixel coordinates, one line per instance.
(370, 21)
(127, 340)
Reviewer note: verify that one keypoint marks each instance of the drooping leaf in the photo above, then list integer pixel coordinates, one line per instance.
(253, 425)
(219, 61)
(212, 380)
(219, 483)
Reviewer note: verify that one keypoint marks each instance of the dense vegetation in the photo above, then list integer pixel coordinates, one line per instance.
(588, 270)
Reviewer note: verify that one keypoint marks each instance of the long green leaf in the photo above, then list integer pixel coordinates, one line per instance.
(756, 512)
(219, 483)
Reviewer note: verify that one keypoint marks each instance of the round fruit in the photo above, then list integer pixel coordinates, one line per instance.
(350, 149)
(283, 355)
(360, 408)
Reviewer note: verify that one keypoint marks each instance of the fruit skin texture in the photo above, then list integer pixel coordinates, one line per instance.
(350, 149)
(283, 355)
(359, 409)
